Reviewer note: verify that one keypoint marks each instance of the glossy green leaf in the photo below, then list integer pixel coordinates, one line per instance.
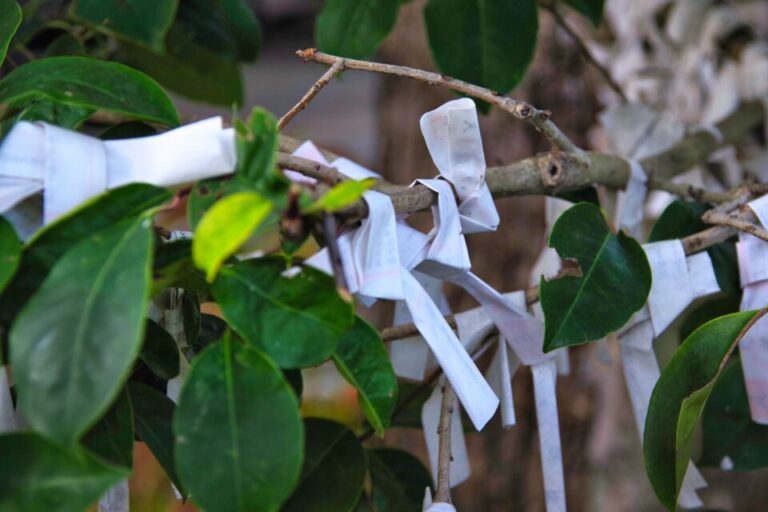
(354, 29)
(728, 427)
(484, 42)
(37, 475)
(90, 83)
(10, 19)
(75, 341)
(341, 195)
(592, 9)
(111, 438)
(334, 469)
(362, 359)
(46, 110)
(143, 21)
(297, 319)
(188, 69)
(226, 28)
(238, 431)
(614, 283)
(10, 252)
(225, 227)
(159, 351)
(205, 193)
(153, 420)
(212, 329)
(173, 268)
(683, 218)
(257, 144)
(679, 398)
(713, 308)
(399, 480)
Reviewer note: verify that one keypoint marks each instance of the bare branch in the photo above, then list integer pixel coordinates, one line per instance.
(311, 93)
(328, 175)
(736, 221)
(540, 119)
(444, 456)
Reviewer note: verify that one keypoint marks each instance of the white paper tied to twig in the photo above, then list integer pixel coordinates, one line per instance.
(753, 270)
(452, 135)
(677, 281)
(365, 257)
(70, 167)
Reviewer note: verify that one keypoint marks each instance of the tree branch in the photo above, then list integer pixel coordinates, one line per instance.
(444, 456)
(540, 119)
(736, 221)
(328, 175)
(311, 93)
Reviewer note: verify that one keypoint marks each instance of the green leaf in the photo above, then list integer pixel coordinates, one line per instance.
(592, 9)
(227, 28)
(10, 252)
(90, 83)
(333, 472)
(679, 398)
(614, 283)
(142, 21)
(173, 268)
(10, 19)
(225, 227)
(37, 475)
(399, 480)
(188, 69)
(354, 29)
(237, 418)
(212, 329)
(683, 218)
(362, 359)
(153, 419)
(297, 320)
(341, 195)
(75, 341)
(159, 351)
(713, 308)
(485, 42)
(728, 427)
(43, 109)
(111, 438)
(257, 144)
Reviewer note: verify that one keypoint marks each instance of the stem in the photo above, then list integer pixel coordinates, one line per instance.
(330, 228)
(444, 457)
(519, 109)
(323, 173)
(311, 93)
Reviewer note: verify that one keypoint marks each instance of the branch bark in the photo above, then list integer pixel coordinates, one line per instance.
(444, 457)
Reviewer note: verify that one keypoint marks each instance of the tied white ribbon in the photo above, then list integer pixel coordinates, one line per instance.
(677, 281)
(753, 270)
(70, 167)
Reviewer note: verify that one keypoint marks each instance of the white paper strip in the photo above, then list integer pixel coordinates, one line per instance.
(544, 376)
(116, 499)
(71, 167)
(630, 205)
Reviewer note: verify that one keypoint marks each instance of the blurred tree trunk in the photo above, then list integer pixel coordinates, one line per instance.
(506, 472)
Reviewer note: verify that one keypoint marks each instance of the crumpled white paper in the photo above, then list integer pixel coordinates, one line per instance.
(677, 281)
(70, 167)
(753, 270)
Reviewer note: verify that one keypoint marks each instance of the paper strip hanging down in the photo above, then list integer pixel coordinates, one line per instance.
(70, 167)
(116, 499)
(753, 270)
(371, 258)
(677, 281)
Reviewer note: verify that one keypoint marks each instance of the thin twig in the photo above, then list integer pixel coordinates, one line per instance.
(584, 51)
(311, 93)
(540, 119)
(328, 175)
(686, 190)
(735, 221)
(444, 456)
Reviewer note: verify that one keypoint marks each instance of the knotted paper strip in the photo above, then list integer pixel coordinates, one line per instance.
(753, 270)
(70, 167)
(677, 281)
